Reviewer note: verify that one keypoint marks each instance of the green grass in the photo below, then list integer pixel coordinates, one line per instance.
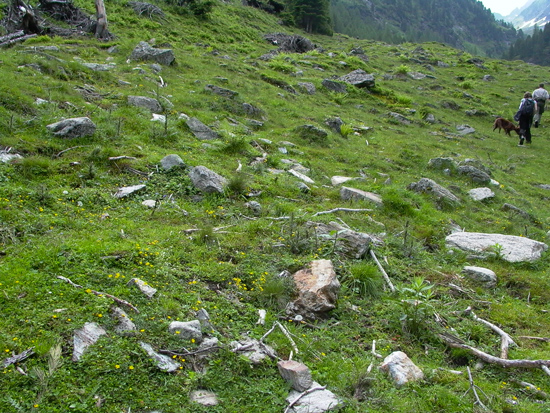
(58, 218)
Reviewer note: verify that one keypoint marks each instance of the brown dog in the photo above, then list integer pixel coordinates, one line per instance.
(508, 126)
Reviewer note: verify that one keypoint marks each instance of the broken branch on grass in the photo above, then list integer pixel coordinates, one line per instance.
(189, 353)
(535, 338)
(384, 274)
(69, 149)
(373, 351)
(287, 334)
(341, 209)
(308, 391)
(522, 363)
(505, 338)
(16, 358)
(531, 387)
(474, 389)
(101, 294)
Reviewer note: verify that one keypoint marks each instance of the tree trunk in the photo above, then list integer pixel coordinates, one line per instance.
(101, 31)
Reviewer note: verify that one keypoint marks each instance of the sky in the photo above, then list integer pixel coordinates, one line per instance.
(503, 7)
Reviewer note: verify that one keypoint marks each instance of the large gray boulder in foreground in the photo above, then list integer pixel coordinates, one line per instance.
(510, 247)
(73, 128)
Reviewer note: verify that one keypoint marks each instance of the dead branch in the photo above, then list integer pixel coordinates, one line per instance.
(189, 353)
(293, 402)
(69, 149)
(16, 39)
(101, 294)
(384, 274)
(474, 389)
(545, 369)
(535, 338)
(532, 388)
(287, 334)
(341, 209)
(519, 363)
(373, 351)
(16, 358)
(505, 338)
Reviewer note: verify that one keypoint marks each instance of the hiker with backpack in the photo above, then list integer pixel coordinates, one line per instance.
(524, 116)
(540, 96)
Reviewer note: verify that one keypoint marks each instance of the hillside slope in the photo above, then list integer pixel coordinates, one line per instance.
(219, 252)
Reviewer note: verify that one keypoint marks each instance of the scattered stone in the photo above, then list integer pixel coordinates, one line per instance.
(149, 203)
(98, 67)
(510, 248)
(301, 176)
(124, 324)
(481, 194)
(85, 337)
(429, 186)
(335, 124)
(481, 275)
(339, 180)
(73, 128)
(171, 161)
(253, 350)
(359, 78)
(515, 209)
(307, 87)
(416, 75)
(220, 91)
(312, 133)
(6, 157)
(348, 242)
(352, 194)
(465, 129)
(144, 51)
(163, 362)
(158, 118)
(204, 318)
(476, 163)
(187, 330)
(400, 118)
(317, 401)
(204, 397)
(200, 130)
(145, 102)
(401, 368)
(252, 110)
(143, 287)
(475, 174)
(317, 287)
(254, 206)
(333, 86)
(128, 190)
(304, 188)
(206, 180)
(296, 374)
(442, 164)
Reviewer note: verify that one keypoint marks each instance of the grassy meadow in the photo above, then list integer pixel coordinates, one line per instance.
(58, 217)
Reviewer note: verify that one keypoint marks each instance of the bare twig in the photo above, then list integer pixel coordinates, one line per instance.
(189, 353)
(101, 294)
(535, 338)
(16, 358)
(69, 149)
(505, 338)
(474, 389)
(308, 391)
(545, 369)
(373, 351)
(341, 209)
(523, 363)
(384, 274)
(532, 388)
(287, 334)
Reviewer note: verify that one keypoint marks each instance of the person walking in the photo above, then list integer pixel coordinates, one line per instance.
(524, 115)
(540, 96)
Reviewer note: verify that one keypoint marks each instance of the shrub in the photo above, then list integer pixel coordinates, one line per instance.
(363, 278)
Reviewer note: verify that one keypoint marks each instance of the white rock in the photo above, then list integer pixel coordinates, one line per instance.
(401, 368)
(85, 337)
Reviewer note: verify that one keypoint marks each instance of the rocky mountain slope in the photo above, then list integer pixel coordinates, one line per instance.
(226, 215)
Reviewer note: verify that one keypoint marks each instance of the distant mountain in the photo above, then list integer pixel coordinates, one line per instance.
(534, 13)
(464, 24)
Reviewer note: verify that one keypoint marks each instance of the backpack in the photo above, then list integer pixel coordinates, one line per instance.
(527, 108)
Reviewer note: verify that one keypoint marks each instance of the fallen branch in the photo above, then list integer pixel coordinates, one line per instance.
(16, 358)
(473, 388)
(519, 363)
(287, 334)
(308, 391)
(101, 294)
(341, 209)
(535, 338)
(69, 149)
(532, 388)
(373, 351)
(384, 274)
(189, 353)
(505, 338)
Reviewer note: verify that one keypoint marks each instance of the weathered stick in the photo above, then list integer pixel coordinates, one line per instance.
(99, 294)
(293, 402)
(384, 274)
(16, 358)
(505, 338)
(523, 363)
(341, 209)
(473, 388)
(535, 338)
(373, 351)
(531, 387)
(287, 334)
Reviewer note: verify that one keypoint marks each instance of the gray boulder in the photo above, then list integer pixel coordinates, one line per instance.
(510, 248)
(352, 194)
(206, 180)
(475, 174)
(128, 190)
(145, 102)
(187, 330)
(429, 186)
(481, 275)
(317, 400)
(481, 194)
(144, 51)
(162, 361)
(220, 91)
(73, 128)
(307, 87)
(200, 130)
(401, 368)
(171, 161)
(333, 86)
(359, 78)
(442, 164)
(85, 337)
